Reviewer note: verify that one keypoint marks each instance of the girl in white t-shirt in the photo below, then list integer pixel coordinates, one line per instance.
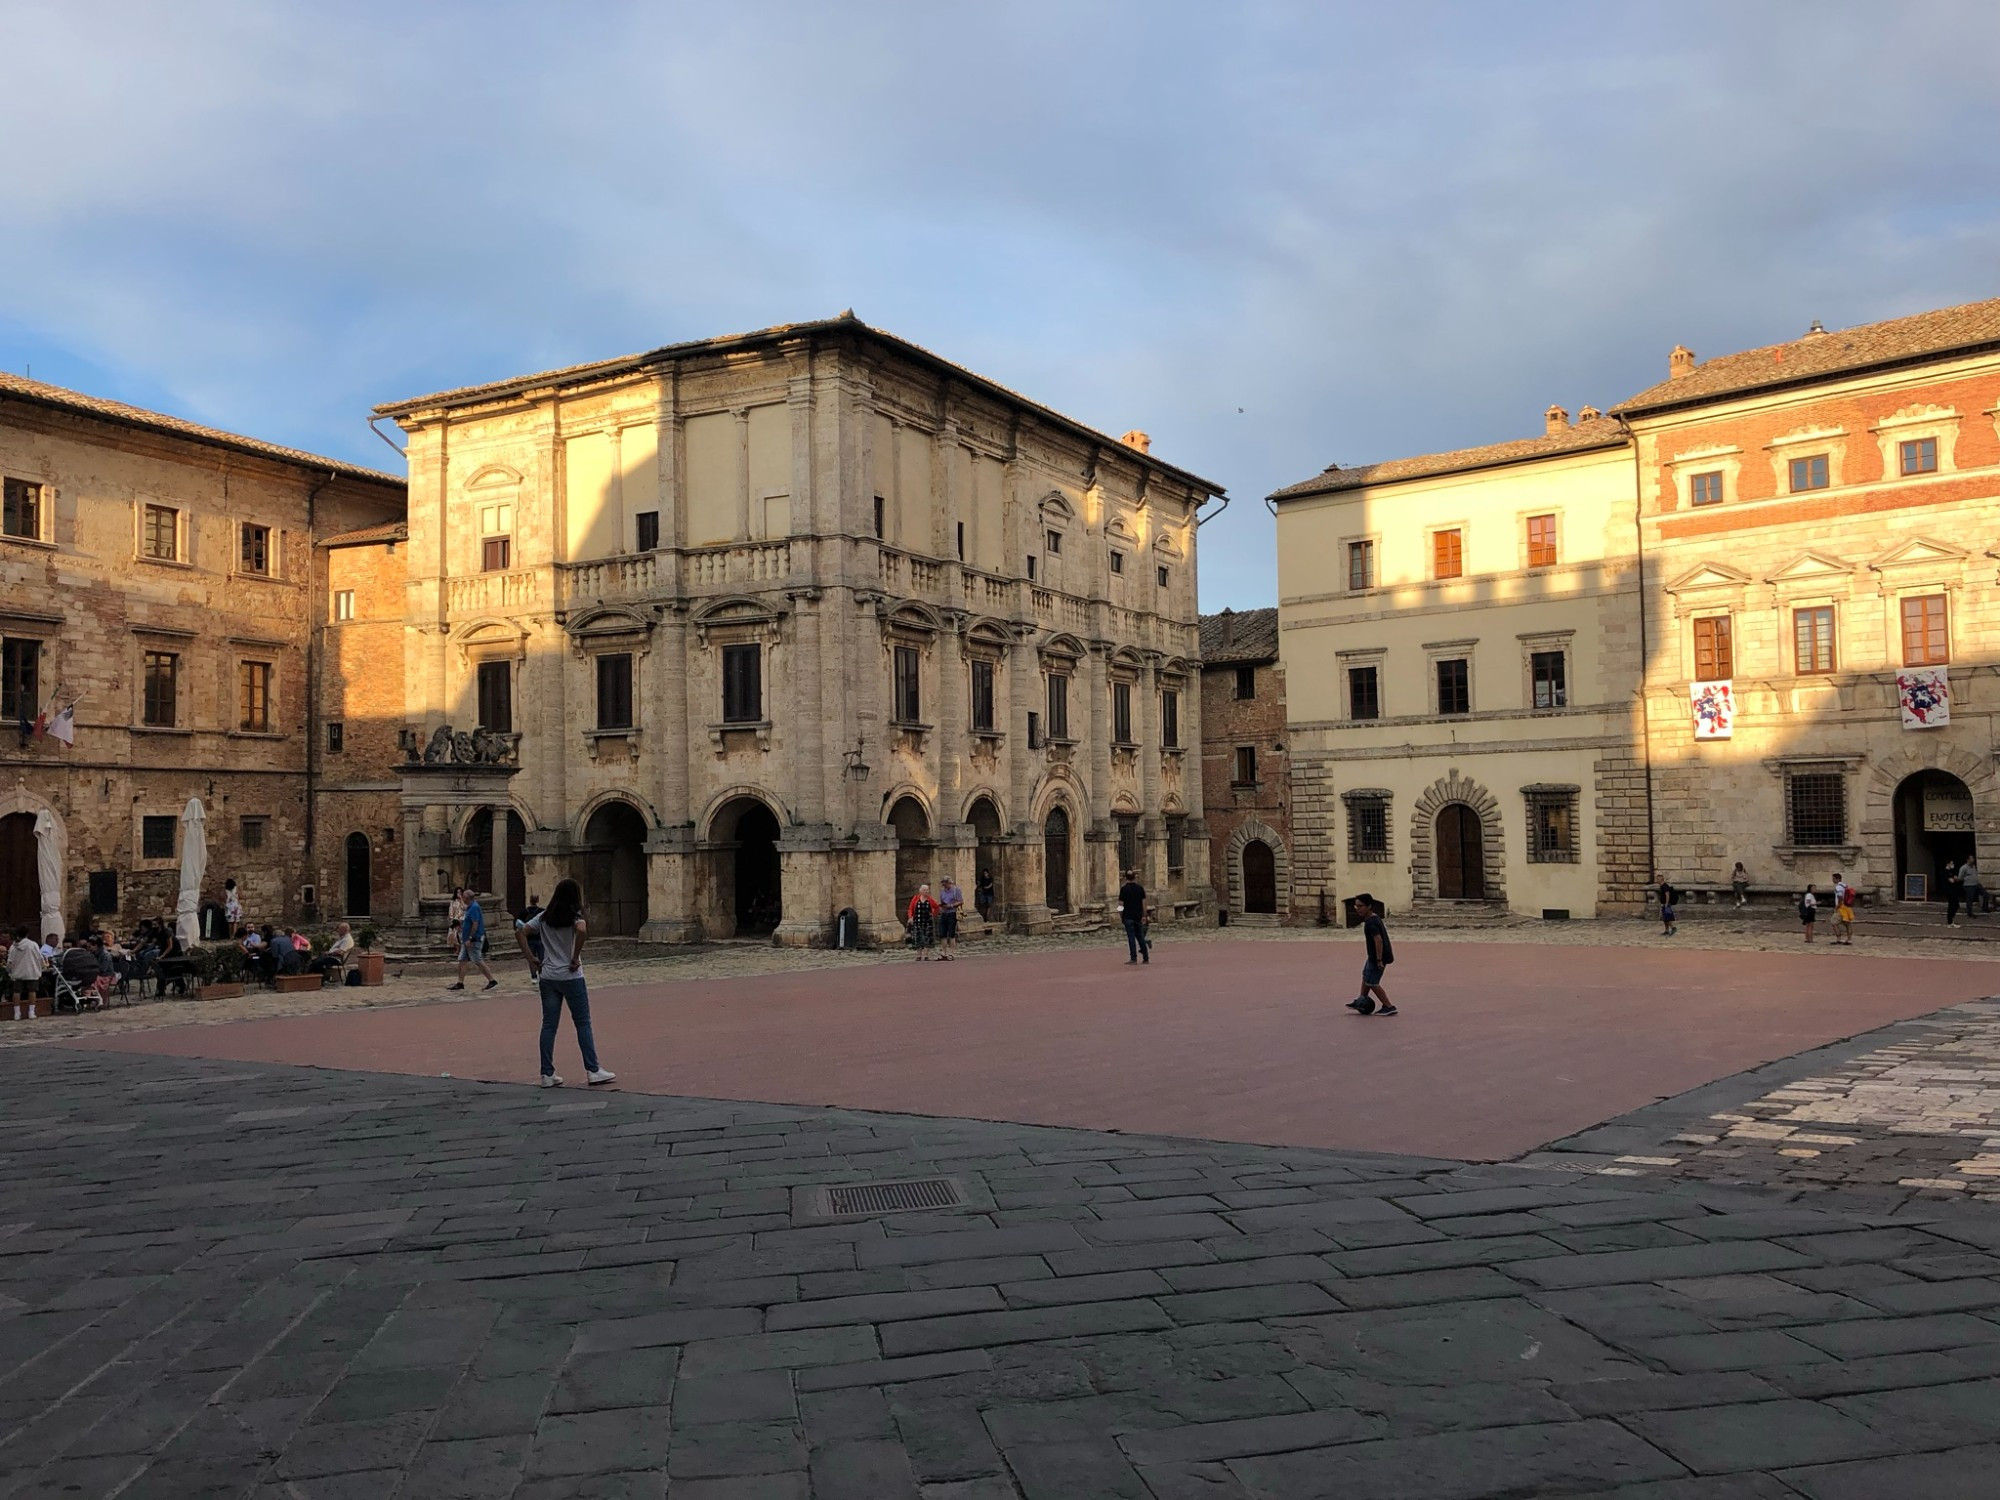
(560, 929)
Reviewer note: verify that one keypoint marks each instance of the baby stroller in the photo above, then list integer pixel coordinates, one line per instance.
(73, 996)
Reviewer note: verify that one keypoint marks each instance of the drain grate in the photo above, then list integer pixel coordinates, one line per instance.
(892, 1197)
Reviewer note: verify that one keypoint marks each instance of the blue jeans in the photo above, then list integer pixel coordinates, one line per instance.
(554, 993)
(1135, 939)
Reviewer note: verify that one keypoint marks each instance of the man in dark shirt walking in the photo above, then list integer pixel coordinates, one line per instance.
(1132, 909)
(1381, 953)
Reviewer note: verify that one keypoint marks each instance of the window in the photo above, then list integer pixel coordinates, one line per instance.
(253, 696)
(496, 554)
(1447, 554)
(1926, 640)
(881, 518)
(909, 693)
(1176, 845)
(1035, 740)
(961, 543)
(1809, 473)
(336, 737)
(1121, 713)
(162, 679)
(1058, 707)
(156, 837)
(20, 681)
(343, 604)
(1054, 548)
(496, 696)
(1170, 718)
(649, 530)
(1454, 686)
(103, 892)
(1541, 541)
(1246, 682)
(1364, 693)
(1815, 807)
(1117, 562)
(1705, 488)
(1031, 567)
(1163, 577)
(254, 549)
(1245, 773)
(1360, 566)
(742, 684)
(21, 509)
(982, 695)
(614, 690)
(160, 536)
(251, 832)
(1367, 828)
(1919, 455)
(1548, 679)
(1714, 656)
(1551, 824)
(1128, 843)
(1812, 638)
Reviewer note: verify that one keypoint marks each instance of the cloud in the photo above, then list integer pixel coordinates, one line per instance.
(1376, 231)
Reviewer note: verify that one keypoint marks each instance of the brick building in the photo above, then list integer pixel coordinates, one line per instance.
(1245, 772)
(1747, 615)
(164, 575)
(781, 624)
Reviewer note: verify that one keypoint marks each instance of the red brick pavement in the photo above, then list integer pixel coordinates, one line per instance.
(1500, 1047)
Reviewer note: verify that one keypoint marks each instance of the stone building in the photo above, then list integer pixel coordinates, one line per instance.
(771, 626)
(1245, 775)
(163, 575)
(1748, 615)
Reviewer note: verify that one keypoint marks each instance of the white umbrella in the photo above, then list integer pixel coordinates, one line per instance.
(194, 865)
(48, 865)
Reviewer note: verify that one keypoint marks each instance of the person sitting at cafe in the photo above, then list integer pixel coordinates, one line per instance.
(329, 964)
(285, 957)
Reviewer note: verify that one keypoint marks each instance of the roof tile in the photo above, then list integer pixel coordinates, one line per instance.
(1252, 635)
(1597, 432)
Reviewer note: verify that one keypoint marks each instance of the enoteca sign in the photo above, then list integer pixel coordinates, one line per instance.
(1947, 810)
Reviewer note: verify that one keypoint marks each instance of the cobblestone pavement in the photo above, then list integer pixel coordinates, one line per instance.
(1912, 1110)
(422, 981)
(232, 1280)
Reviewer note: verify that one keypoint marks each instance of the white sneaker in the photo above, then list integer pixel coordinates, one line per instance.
(550, 1081)
(603, 1075)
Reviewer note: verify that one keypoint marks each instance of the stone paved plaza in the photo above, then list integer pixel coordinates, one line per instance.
(225, 1279)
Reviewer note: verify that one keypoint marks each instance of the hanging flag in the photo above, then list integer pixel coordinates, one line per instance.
(63, 726)
(1714, 707)
(1925, 697)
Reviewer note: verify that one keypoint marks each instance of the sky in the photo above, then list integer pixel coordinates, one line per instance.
(1274, 236)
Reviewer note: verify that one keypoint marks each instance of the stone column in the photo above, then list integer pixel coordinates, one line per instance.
(1101, 876)
(497, 836)
(808, 750)
(413, 827)
(1152, 826)
(1022, 893)
(1194, 851)
(668, 740)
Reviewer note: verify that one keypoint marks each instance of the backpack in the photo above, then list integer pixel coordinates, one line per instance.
(1806, 913)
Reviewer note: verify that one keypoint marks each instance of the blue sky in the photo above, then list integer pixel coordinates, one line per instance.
(1272, 235)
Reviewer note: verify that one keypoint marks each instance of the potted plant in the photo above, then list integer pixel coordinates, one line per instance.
(218, 971)
(366, 960)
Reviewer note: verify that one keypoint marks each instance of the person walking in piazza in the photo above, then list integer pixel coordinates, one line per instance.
(1667, 915)
(232, 909)
(1132, 913)
(1808, 910)
(1739, 882)
(1974, 889)
(472, 942)
(455, 918)
(951, 902)
(1952, 890)
(983, 897)
(1378, 954)
(552, 942)
(1843, 912)
(24, 973)
(922, 921)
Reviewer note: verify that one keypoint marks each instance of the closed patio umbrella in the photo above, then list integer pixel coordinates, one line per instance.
(194, 865)
(48, 866)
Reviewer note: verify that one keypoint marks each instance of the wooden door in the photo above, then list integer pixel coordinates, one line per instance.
(359, 885)
(1055, 859)
(1461, 854)
(20, 879)
(1260, 877)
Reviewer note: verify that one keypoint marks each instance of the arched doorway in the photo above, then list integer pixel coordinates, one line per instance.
(20, 875)
(913, 848)
(1461, 854)
(1934, 823)
(985, 820)
(745, 877)
(359, 885)
(613, 869)
(479, 842)
(1055, 860)
(1260, 877)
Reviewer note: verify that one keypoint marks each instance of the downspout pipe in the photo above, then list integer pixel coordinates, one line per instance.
(384, 436)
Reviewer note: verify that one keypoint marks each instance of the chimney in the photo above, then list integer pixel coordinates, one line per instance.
(1680, 362)
(1228, 628)
(1818, 327)
(1588, 414)
(1555, 420)
(1137, 439)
